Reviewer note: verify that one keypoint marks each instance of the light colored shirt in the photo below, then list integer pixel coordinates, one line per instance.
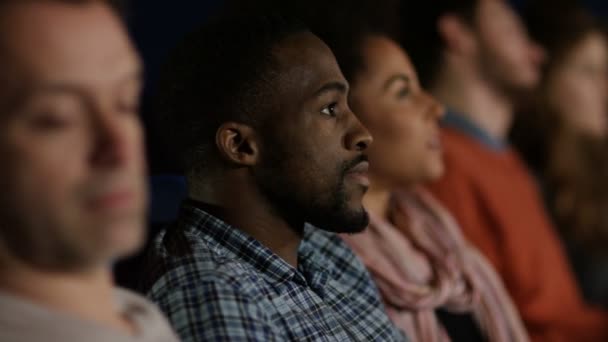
(25, 321)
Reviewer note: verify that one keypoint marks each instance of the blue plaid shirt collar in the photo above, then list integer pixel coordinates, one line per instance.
(222, 237)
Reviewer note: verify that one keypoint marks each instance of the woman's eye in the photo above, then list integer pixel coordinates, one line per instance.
(330, 110)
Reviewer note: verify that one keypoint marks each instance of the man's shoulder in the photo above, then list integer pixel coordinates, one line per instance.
(470, 165)
(151, 322)
(353, 291)
(24, 320)
(202, 263)
(461, 150)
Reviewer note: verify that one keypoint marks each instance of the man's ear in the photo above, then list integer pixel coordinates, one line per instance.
(238, 144)
(458, 36)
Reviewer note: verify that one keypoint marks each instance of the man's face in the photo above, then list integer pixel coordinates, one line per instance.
(313, 168)
(72, 176)
(506, 56)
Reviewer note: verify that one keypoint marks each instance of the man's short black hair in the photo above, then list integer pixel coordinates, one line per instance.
(420, 34)
(224, 71)
(342, 24)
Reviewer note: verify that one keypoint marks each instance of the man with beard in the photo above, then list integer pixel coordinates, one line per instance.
(73, 196)
(256, 108)
(476, 57)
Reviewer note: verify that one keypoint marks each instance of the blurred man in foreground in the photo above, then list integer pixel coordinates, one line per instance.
(73, 178)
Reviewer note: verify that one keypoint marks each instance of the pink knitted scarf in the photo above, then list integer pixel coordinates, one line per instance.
(421, 262)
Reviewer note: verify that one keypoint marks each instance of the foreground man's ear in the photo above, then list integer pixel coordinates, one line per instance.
(237, 144)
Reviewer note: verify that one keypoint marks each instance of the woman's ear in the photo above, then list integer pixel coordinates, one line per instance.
(237, 144)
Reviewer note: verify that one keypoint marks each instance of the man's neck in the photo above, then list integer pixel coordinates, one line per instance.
(480, 102)
(244, 208)
(87, 295)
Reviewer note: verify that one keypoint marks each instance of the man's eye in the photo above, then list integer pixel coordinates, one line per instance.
(403, 93)
(330, 110)
(129, 108)
(51, 122)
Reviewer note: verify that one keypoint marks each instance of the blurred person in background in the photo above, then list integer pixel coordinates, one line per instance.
(564, 135)
(477, 58)
(73, 178)
(436, 286)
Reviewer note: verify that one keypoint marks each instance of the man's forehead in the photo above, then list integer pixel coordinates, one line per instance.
(65, 41)
(306, 63)
(298, 48)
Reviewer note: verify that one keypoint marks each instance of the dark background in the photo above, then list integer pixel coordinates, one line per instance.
(156, 25)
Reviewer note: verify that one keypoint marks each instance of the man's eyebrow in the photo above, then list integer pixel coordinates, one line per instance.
(24, 94)
(60, 88)
(338, 86)
(72, 87)
(395, 78)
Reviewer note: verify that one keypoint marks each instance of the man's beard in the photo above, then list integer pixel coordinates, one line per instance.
(49, 245)
(294, 202)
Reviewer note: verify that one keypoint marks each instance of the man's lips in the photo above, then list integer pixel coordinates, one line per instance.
(360, 173)
(116, 200)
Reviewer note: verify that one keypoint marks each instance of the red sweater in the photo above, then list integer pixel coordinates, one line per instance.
(499, 208)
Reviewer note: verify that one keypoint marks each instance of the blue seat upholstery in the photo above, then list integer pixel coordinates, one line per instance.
(166, 193)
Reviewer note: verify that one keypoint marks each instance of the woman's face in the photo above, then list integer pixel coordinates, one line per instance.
(577, 89)
(402, 117)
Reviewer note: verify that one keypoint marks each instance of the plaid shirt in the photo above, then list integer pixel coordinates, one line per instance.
(215, 283)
